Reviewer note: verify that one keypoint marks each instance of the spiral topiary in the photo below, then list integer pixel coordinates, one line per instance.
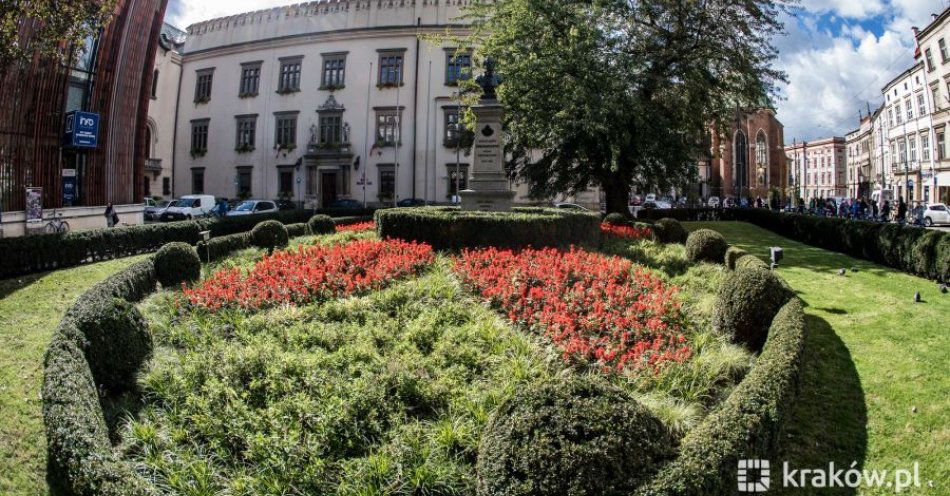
(321, 224)
(746, 304)
(115, 341)
(616, 219)
(575, 435)
(269, 234)
(706, 245)
(176, 263)
(669, 230)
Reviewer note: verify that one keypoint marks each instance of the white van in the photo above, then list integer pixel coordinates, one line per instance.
(882, 195)
(189, 207)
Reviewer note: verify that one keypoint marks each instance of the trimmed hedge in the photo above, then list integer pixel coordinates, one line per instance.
(297, 230)
(269, 234)
(747, 425)
(733, 254)
(321, 224)
(746, 303)
(706, 245)
(576, 435)
(669, 230)
(176, 263)
(906, 248)
(447, 228)
(749, 261)
(218, 248)
(616, 219)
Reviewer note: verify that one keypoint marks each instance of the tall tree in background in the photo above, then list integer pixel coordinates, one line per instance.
(619, 93)
(47, 28)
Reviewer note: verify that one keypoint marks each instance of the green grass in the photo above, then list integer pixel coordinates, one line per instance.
(30, 308)
(876, 387)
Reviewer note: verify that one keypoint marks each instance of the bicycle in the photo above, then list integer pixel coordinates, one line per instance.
(56, 224)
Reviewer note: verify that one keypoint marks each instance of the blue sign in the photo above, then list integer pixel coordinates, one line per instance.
(82, 129)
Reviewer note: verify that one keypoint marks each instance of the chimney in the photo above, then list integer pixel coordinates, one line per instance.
(933, 17)
(915, 30)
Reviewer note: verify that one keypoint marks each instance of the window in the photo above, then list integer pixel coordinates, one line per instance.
(199, 136)
(930, 60)
(450, 138)
(390, 67)
(246, 132)
(912, 146)
(387, 181)
(203, 85)
(893, 154)
(943, 50)
(334, 71)
(250, 79)
(155, 84)
(198, 181)
(761, 150)
(458, 176)
(285, 131)
(901, 150)
(147, 186)
(940, 145)
(244, 182)
(925, 147)
(921, 105)
(935, 94)
(387, 127)
(897, 110)
(331, 129)
(458, 66)
(289, 75)
(286, 182)
(166, 185)
(910, 109)
(890, 113)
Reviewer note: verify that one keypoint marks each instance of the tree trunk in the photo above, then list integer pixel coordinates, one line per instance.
(617, 195)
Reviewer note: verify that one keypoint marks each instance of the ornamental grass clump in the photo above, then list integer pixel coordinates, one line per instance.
(595, 308)
(177, 263)
(310, 274)
(573, 436)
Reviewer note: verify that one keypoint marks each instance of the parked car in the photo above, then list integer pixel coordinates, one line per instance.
(936, 213)
(570, 206)
(649, 205)
(713, 201)
(729, 202)
(152, 212)
(411, 202)
(189, 207)
(285, 204)
(251, 207)
(345, 203)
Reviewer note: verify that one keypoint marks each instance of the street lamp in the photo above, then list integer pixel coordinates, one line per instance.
(458, 153)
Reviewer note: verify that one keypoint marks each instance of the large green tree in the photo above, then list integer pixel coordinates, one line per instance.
(621, 93)
(48, 28)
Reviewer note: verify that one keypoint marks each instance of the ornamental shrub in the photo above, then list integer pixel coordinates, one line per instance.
(114, 337)
(573, 436)
(269, 234)
(706, 245)
(923, 254)
(746, 304)
(748, 261)
(221, 247)
(942, 259)
(321, 224)
(176, 263)
(669, 230)
(733, 254)
(616, 219)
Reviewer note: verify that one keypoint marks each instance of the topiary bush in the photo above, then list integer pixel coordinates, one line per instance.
(942, 259)
(114, 337)
(706, 245)
(616, 219)
(321, 224)
(746, 304)
(176, 263)
(749, 261)
(269, 234)
(733, 254)
(669, 230)
(574, 436)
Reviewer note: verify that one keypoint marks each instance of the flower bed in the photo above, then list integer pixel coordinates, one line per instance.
(594, 307)
(358, 227)
(311, 274)
(626, 232)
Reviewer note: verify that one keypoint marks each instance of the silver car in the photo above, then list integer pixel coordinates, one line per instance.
(252, 207)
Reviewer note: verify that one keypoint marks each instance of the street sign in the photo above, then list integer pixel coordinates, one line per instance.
(82, 130)
(69, 187)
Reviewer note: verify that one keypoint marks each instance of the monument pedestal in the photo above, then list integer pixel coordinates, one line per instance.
(488, 184)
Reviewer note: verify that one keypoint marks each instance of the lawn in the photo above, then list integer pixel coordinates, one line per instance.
(30, 308)
(876, 388)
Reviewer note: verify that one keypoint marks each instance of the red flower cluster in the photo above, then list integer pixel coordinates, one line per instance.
(358, 227)
(311, 274)
(626, 232)
(594, 307)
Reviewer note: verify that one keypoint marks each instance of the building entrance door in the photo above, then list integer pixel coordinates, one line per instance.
(327, 188)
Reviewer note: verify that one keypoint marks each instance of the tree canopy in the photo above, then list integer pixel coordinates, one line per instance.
(48, 28)
(617, 93)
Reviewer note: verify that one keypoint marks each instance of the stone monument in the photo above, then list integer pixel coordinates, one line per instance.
(488, 183)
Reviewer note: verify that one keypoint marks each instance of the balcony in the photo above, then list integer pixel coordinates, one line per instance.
(323, 149)
(153, 165)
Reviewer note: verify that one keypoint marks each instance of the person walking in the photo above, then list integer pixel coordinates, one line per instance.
(112, 218)
(886, 211)
(901, 210)
(874, 210)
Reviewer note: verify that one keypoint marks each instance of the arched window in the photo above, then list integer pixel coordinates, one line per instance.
(740, 172)
(148, 141)
(761, 151)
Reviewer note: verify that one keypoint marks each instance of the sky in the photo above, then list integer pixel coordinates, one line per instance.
(838, 54)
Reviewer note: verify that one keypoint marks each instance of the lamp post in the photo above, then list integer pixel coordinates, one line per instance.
(458, 153)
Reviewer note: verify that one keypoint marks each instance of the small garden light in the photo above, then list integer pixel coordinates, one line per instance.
(776, 254)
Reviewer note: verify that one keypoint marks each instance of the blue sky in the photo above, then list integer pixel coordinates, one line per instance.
(837, 54)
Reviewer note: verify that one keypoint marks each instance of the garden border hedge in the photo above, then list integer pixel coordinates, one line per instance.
(449, 228)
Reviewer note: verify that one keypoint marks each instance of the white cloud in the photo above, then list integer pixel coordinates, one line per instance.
(852, 9)
(182, 13)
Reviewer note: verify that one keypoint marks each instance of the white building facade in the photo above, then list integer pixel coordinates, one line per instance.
(820, 166)
(933, 40)
(160, 132)
(908, 107)
(858, 145)
(322, 101)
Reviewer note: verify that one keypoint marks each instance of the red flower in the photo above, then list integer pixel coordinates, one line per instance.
(626, 232)
(358, 227)
(312, 273)
(594, 307)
